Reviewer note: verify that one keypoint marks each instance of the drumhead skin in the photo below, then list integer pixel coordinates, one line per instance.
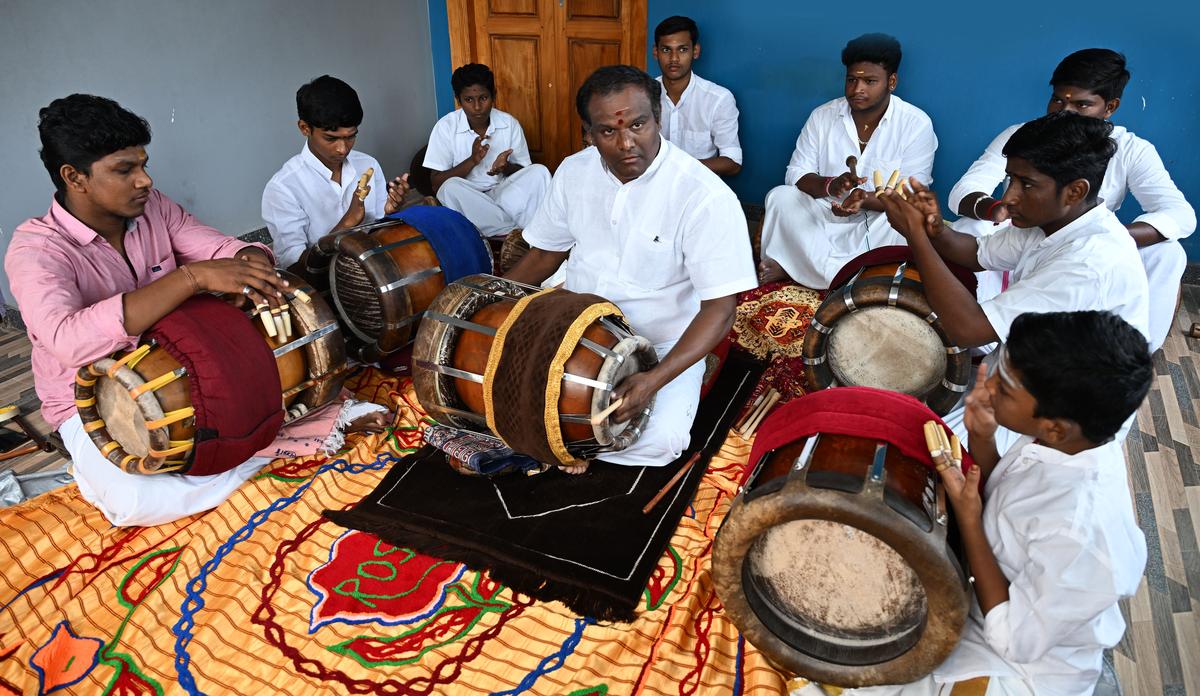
(887, 348)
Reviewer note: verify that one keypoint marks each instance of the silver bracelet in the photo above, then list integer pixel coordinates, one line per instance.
(975, 207)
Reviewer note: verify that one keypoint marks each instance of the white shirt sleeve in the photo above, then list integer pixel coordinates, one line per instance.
(917, 159)
(1066, 583)
(1065, 288)
(549, 230)
(985, 174)
(1002, 250)
(520, 148)
(806, 156)
(439, 154)
(287, 222)
(725, 128)
(716, 249)
(1166, 209)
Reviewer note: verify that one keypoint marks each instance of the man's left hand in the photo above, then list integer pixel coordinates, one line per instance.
(397, 188)
(917, 213)
(852, 204)
(637, 390)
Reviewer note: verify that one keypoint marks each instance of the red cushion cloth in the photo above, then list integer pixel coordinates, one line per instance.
(234, 381)
(894, 254)
(895, 418)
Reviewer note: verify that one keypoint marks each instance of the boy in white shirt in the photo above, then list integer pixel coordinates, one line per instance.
(822, 217)
(1090, 82)
(699, 116)
(1051, 540)
(480, 160)
(316, 192)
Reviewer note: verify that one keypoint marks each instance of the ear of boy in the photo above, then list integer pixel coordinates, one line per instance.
(1058, 433)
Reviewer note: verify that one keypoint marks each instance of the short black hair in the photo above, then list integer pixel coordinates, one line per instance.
(614, 78)
(473, 74)
(1092, 368)
(327, 103)
(882, 49)
(82, 128)
(1065, 146)
(1098, 70)
(676, 24)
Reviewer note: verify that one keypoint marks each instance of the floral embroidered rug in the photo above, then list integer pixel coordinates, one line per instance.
(263, 595)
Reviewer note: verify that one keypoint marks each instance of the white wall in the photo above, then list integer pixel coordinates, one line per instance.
(217, 80)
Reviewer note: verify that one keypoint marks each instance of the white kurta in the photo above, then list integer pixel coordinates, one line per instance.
(801, 233)
(1090, 264)
(302, 203)
(1135, 168)
(494, 203)
(656, 247)
(704, 123)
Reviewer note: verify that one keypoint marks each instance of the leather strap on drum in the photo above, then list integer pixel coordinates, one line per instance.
(526, 365)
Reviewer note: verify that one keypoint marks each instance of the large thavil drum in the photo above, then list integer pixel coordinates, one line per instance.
(536, 367)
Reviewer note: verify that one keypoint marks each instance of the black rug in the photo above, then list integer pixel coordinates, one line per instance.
(582, 540)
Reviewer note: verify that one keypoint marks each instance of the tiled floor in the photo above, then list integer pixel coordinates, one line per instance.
(1161, 650)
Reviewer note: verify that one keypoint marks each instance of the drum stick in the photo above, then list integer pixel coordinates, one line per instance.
(756, 409)
(852, 165)
(671, 484)
(362, 190)
(277, 319)
(893, 178)
(599, 417)
(287, 320)
(770, 404)
(900, 190)
(932, 441)
(956, 450)
(750, 411)
(877, 179)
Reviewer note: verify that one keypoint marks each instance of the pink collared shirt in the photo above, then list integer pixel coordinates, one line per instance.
(68, 284)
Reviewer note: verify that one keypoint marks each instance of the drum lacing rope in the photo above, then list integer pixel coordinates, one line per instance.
(132, 358)
(157, 383)
(171, 417)
(173, 447)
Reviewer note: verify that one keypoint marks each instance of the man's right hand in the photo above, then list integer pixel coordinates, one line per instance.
(479, 149)
(234, 276)
(354, 215)
(843, 183)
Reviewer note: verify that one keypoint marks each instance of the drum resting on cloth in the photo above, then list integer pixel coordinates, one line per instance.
(875, 328)
(384, 274)
(835, 559)
(208, 386)
(535, 367)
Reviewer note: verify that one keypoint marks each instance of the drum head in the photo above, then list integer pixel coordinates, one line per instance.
(887, 348)
(838, 586)
(124, 418)
(634, 354)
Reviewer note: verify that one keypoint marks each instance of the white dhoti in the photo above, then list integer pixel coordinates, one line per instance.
(135, 500)
(499, 210)
(1164, 263)
(812, 244)
(669, 428)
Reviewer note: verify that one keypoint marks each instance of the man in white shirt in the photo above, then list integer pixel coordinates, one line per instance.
(1052, 542)
(653, 231)
(825, 215)
(699, 116)
(316, 192)
(1091, 82)
(480, 161)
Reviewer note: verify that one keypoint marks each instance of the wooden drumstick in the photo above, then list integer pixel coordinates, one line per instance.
(756, 410)
(750, 411)
(770, 404)
(363, 189)
(671, 484)
(852, 165)
(877, 179)
(599, 417)
(893, 178)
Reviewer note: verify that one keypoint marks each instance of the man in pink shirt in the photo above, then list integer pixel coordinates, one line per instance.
(110, 258)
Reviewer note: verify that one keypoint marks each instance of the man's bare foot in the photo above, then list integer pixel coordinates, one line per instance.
(375, 422)
(574, 468)
(769, 271)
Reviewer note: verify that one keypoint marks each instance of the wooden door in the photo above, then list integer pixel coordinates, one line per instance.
(541, 51)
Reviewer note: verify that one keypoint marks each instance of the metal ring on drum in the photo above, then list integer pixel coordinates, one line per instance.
(878, 330)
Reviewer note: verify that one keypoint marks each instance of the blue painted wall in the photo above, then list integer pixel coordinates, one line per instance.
(973, 71)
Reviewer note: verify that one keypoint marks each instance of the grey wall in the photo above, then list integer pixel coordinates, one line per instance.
(217, 80)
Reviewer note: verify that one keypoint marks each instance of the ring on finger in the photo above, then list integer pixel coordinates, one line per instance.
(246, 290)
